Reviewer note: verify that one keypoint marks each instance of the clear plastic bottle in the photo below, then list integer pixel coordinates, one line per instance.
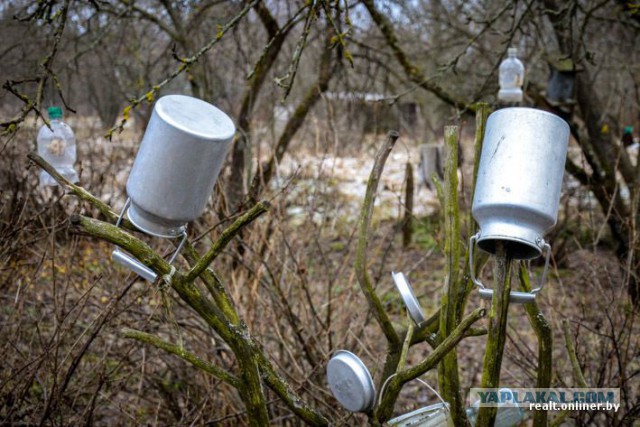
(57, 145)
(511, 77)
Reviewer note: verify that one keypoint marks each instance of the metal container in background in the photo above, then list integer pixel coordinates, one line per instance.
(430, 164)
(517, 190)
(180, 157)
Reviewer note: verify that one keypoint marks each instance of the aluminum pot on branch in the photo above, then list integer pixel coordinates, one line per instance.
(180, 157)
(517, 191)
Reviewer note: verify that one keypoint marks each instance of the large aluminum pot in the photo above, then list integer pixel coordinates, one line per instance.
(180, 157)
(519, 179)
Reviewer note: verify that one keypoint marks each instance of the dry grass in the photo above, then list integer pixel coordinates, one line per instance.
(64, 304)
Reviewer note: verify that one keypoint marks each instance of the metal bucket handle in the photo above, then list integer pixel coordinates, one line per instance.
(514, 296)
(446, 405)
(133, 264)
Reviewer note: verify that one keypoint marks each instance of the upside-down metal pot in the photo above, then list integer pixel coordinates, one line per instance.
(180, 157)
(519, 179)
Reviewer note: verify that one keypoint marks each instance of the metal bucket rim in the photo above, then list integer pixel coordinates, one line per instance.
(537, 251)
(529, 109)
(161, 231)
(421, 411)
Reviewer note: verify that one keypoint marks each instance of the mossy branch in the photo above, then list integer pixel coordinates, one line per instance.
(221, 315)
(395, 384)
(214, 285)
(444, 347)
(284, 391)
(364, 223)
(497, 330)
(179, 351)
(407, 221)
(482, 114)
(118, 236)
(454, 289)
(78, 191)
(224, 239)
(545, 343)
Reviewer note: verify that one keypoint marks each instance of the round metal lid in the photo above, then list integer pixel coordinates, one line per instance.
(409, 298)
(350, 382)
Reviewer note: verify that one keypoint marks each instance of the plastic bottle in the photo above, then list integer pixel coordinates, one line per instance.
(511, 74)
(57, 145)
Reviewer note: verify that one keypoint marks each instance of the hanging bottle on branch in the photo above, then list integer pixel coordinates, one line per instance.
(57, 145)
(511, 74)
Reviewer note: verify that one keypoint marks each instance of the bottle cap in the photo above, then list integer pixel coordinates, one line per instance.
(54, 112)
(512, 51)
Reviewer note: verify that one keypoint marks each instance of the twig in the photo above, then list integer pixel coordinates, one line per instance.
(281, 387)
(287, 80)
(78, 191)
(34, 104)
(578, 376)
(224, 239)
(396, 382)
(412, 71)
(155, 341)
(185, 63)
(407, 222)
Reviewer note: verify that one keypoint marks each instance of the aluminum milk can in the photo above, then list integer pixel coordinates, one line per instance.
(180, 157)
(519, 180)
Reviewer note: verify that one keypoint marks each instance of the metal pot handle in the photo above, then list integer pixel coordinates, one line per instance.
(514, 296)
(547, 258)
(133, 264)
(446, 405)
(472, 269)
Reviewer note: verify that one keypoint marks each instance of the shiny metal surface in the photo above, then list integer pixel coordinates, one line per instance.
(132, 263)
(519, 179)
(350, 382)
(129, 262)
(429, 416)
(409, 298)
(514, 296)
(180, 157)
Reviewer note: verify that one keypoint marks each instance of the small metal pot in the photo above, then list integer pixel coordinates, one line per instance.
(519, 179)
(180, 157)
(436, 415)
